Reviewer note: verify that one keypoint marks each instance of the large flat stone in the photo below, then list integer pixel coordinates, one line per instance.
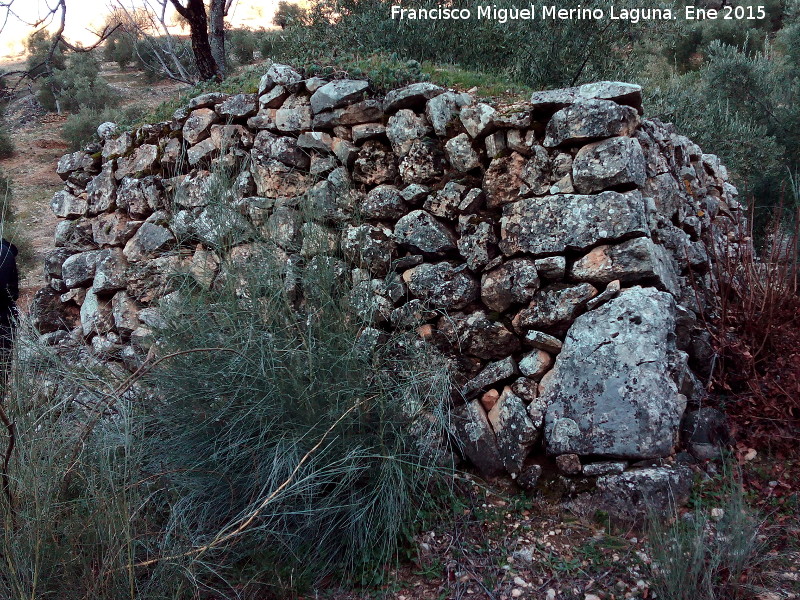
(553, 224)
(611, 392)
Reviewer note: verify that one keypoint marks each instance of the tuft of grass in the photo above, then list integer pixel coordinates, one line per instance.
(262, 447)
(711, 553)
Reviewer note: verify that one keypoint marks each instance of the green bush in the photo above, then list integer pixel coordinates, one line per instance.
(242, 45)
(153, 54)
(38, 47)
(6, 143)
(265, 448)
(80, 128)
(77, 86)
(121, 49)
(536, 53)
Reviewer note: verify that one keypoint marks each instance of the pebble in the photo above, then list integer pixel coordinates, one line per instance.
(516, 593)
(520, 581)
(550, 593)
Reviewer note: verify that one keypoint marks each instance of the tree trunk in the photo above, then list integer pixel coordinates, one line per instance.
(217, 35)
(195, 14)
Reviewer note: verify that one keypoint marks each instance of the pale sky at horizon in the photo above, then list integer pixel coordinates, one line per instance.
(85, 16)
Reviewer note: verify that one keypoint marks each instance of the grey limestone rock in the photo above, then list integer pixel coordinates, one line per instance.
(612, 392)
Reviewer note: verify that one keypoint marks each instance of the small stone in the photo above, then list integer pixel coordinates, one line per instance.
(569, 464)
(420, 231)
(604, 468)
(442, 285)
(491, 374)
(489, 399)
(535, 364)
(529, 477)
(461, 154)
(543, 341)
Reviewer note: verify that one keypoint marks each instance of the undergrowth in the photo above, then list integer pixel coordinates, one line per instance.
(263, 446)
(755, 328)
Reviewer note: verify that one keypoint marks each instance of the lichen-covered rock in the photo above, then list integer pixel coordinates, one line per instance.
(543, 341)
(96, 315)
(238, 106)
(403, 128)
(285, 228)
(383, 202)
(493, 373)
(612, 392)
(554, 308)
(139, 197)
(477, 241)
(442, 285)
(279, 74)
(101, 191)
(366, 111)
(478, 120)
(461, 154)
(412, 96)
(110, 271)
(607, 164)
(423, 164)
(76, 161)
(294, 116)
(443, 111)
(220, 226)
(125, 313)
(535, 364)
(637, 260)
(198, 125)
(513, 282)
(475, 438)
(149, 240)
(553, 224)
(639, 494)
(78, 269)
(620, 92)
(590, 120)
(477, 335)
(515, 431)
(446, 202)
(67, 206)
(338, 93)
(375, 164)
(118, 146)
(420, 231)
(369, 246)
(275, 179)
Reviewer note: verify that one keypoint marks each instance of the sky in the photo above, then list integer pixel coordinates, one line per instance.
(85, 16)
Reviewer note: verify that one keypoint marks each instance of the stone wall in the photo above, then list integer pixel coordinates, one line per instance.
(546, 245)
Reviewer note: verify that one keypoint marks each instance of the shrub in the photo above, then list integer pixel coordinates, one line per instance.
(6, 144)
(264, 448)
(38, 46)
(121, 49)
(242, 44)
(77, 86)
(704, 559)
(80, 128)
(158, 56)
